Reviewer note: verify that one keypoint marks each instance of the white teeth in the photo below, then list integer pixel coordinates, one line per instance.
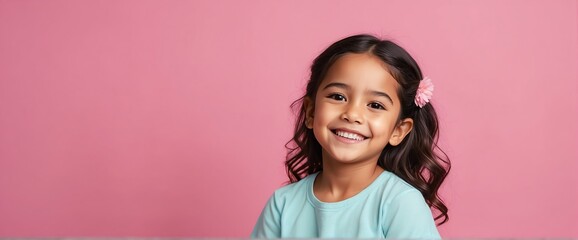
(352, 136)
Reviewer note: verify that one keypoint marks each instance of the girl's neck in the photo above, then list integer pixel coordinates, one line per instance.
(337, 183)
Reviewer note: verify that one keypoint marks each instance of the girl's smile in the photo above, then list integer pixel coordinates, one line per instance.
(348, 136)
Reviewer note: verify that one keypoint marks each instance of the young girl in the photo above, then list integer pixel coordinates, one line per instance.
(361, 162)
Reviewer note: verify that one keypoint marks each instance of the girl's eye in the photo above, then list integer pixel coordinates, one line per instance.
(337, 97)
(376, 106)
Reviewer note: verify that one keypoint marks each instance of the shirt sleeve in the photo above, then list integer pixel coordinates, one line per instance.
(409, 217)
(269, 223)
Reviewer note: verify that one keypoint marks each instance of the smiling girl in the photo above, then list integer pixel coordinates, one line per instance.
(363, 161)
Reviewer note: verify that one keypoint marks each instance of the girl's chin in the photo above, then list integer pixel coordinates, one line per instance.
(346, 159)
(348, 156)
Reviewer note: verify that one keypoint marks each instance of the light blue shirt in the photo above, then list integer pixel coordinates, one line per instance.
(388, 208)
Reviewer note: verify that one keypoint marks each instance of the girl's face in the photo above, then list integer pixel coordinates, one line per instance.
(356, 110)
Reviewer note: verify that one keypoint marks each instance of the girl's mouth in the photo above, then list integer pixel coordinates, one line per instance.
(348, 135)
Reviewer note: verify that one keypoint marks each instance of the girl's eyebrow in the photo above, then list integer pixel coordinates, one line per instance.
(382, 94)
(346, 87)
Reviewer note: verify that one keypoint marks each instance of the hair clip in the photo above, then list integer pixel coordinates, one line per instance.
(424, 92)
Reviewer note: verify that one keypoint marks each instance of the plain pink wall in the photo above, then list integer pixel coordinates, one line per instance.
(168, 118)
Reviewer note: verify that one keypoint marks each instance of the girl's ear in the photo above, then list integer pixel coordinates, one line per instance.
(309, 110)
(400, 131)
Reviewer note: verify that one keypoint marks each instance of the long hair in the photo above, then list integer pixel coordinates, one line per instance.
(417, 159)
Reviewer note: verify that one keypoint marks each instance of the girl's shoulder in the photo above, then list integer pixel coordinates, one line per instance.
(391, 187)
(392, 180)
(296, 188)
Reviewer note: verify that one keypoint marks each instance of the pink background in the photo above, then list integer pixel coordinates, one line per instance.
(168, 118)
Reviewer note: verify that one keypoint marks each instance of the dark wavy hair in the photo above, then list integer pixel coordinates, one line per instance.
(417, 159)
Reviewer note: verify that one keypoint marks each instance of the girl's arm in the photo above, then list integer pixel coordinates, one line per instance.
(269, 223)
(409, 217)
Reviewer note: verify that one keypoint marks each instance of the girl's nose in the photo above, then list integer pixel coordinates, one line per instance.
(353, 114)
